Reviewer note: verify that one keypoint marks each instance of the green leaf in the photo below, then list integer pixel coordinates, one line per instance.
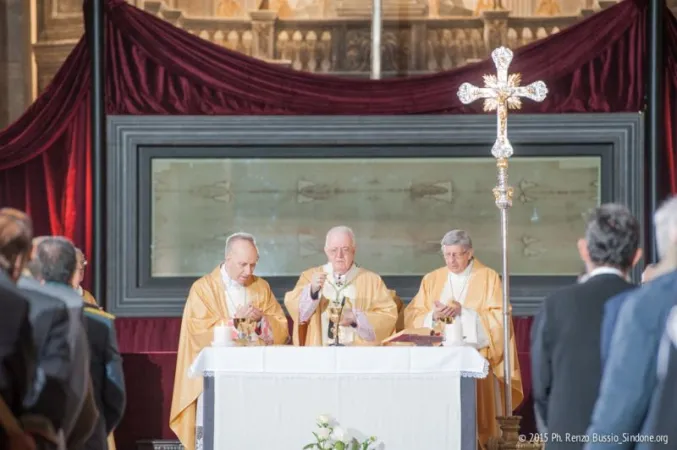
(339, 446)
(309, 446)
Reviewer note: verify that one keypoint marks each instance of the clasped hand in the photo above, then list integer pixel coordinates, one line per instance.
(347, 318)
(249, 312)
(444, 311)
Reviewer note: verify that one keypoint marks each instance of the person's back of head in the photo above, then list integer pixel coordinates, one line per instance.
(665, 223)
(56, 260)
(16, 232)
(611, 238)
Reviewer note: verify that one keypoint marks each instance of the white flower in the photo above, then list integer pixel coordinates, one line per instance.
(323, 419)
(339, 434)
(323, 433)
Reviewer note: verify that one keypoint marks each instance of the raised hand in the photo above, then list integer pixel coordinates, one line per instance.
(317, 282)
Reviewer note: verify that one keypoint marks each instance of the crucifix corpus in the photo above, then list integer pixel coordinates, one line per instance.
(500, 93)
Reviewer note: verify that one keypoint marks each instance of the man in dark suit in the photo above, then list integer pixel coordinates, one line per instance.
(565, 340)
(55, 260)
(17, 351)
(106, 372)
(630, 379)
(51, 324)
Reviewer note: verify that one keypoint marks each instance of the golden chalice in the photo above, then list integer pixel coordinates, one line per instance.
(334, 312)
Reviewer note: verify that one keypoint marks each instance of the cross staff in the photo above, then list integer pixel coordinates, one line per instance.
(502, 92)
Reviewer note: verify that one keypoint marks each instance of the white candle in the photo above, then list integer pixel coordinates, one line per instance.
(453, 333)
(220, 334)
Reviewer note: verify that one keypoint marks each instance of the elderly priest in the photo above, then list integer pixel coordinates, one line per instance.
(230, 291)
(369, 311)
(467, 290)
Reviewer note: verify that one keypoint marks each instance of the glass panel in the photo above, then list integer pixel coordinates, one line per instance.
(399, 209)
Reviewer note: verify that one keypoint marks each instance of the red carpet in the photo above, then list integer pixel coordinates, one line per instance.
(148, 347)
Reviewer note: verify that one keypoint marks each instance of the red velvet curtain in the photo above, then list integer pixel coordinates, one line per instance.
(670, 96)
(152, 67)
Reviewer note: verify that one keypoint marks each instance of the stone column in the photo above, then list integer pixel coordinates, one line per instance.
(495, 29)
(15, 60)
(263, 34)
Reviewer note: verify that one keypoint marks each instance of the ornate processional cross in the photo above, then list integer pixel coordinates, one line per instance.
(502, 92)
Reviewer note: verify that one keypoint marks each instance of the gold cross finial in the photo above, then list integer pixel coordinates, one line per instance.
(502, 92)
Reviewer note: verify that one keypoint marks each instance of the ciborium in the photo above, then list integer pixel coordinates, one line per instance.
(246, 332)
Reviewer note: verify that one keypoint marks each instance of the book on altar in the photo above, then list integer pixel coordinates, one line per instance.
(419, 337)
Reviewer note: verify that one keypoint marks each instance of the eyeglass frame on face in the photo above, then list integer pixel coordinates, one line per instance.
(455, 256)
(344, 250)
(82, 266)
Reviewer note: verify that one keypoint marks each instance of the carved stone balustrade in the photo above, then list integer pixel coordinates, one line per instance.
(342, 45)
(419, 36)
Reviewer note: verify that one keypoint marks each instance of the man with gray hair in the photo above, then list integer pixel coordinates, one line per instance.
(565, 337)
(368, 309)
(231, 291)
(53, 264)
(467, 291)
(631, 366)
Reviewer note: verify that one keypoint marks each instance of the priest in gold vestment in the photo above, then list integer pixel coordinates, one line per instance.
(472, 292)
(370, 312)
(230, 291)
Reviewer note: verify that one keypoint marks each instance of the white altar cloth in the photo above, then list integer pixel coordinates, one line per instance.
(260, 398)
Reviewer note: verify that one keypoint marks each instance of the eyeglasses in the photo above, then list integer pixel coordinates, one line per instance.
(343, 250)
(455, 256)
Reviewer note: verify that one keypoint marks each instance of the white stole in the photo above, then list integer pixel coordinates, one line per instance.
(331, 291)
(456, 288)
(236, 296)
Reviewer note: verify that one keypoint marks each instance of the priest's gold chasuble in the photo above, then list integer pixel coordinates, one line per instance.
(371, 297)
(484, 296)
(206, 308)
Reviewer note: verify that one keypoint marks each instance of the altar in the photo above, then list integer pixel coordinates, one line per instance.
(407, 397)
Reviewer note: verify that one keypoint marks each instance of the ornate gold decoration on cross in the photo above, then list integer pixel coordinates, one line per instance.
(502, 92)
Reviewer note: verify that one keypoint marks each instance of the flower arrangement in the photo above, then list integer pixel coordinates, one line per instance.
(329, 436)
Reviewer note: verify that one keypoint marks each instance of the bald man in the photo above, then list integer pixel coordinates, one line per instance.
(230, 291)
(369, 313)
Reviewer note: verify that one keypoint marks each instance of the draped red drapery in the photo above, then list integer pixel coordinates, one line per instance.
(597, 65)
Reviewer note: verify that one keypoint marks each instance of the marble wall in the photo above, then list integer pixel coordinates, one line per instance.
(398, 208)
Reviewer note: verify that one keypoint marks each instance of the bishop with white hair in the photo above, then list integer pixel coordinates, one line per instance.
(470, 294)
(369, 313)
(230, 291)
